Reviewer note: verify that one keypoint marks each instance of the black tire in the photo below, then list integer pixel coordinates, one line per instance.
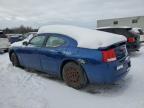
(14, 60)
(74, 75)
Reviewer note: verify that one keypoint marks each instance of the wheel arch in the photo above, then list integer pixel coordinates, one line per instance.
(71, 60)
(10, 52)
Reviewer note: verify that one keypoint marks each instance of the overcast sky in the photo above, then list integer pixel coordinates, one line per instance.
(36, 13)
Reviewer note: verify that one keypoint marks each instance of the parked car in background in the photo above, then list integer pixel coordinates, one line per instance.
(27, 37)
(19, 37)
(77, 55)
(4, 43)
(15, 37)
(140, 32)
(133, 38)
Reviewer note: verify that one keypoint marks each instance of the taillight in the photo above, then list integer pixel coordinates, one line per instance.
(109, 55)
(131, 39)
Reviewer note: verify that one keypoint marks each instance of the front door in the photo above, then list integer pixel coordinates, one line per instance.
(30, 53)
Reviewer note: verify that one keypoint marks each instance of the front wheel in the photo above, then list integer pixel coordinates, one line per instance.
(14, 60)
(74, 75)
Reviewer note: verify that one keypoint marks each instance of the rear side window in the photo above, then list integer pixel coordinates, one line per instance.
(54, 41)
(37, 41)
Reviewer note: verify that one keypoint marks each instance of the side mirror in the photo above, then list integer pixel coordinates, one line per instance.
(25, 43)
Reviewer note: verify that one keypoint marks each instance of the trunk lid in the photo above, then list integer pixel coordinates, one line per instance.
(119, 48)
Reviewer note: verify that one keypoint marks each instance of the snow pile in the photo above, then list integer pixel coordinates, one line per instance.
(86, 38)
(21, 89)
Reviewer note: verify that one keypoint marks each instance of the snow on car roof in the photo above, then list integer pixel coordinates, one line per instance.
(86, 38)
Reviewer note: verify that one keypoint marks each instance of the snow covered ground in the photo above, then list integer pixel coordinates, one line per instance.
(22, 89)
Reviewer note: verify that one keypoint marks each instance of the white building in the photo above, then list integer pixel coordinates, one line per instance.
(137, 21)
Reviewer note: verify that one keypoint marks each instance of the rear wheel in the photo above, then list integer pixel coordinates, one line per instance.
(74, 75)
(14, 60)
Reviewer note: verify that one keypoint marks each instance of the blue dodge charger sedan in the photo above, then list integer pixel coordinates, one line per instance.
(77, 55)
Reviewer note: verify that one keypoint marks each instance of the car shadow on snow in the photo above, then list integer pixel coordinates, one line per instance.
(110, 89)
(42, 74)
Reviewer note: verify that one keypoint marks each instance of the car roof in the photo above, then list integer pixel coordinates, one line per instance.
(86, 38)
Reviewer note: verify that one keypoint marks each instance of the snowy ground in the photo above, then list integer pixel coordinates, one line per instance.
(22, 89)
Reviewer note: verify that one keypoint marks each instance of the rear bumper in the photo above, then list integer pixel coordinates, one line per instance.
(107, 72)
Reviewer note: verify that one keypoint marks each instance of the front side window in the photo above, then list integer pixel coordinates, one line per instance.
(54, 41)
(37, 41)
